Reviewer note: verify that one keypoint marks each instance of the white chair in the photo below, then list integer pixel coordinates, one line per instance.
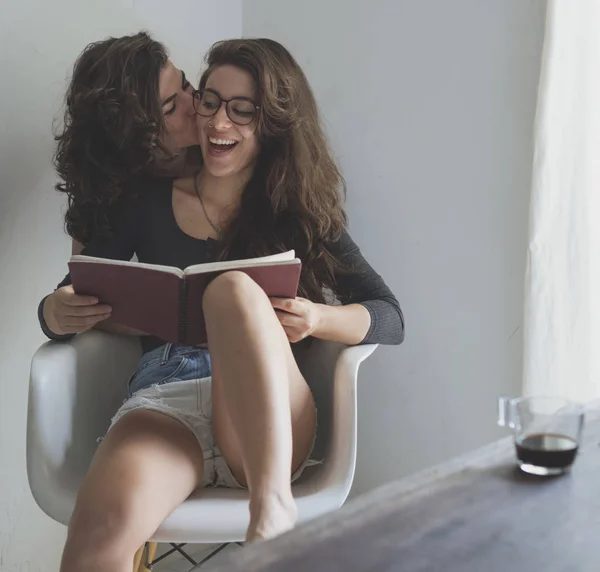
(76, 387)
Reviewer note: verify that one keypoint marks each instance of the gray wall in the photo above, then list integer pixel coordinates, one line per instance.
(430, 108)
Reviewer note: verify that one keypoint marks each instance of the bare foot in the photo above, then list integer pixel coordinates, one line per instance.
(271, 516)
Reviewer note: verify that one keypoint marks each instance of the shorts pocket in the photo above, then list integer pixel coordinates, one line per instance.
(157, 374)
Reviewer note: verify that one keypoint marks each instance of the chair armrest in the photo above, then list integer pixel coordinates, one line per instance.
(75, 388)
(339, 468)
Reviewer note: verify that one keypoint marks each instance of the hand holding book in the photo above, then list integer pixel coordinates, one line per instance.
(167, 302)
(66, 312)
(298, 316)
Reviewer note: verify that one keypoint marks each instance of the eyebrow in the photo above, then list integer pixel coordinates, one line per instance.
(236, 97)
(172, 97)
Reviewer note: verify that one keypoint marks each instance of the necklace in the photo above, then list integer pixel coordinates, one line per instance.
(214, 227)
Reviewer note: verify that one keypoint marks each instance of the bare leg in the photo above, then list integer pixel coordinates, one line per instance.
(263, 411)
(146, 467)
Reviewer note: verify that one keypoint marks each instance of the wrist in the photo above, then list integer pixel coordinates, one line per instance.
(47, 322)
(47, 318)
(321, 318)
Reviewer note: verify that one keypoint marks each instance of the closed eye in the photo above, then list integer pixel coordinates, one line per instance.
(210, 105)
(243, 113)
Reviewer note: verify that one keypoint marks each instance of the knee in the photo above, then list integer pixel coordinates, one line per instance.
(233, 290)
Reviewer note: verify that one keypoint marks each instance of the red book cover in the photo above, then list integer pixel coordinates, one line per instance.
(167, 302)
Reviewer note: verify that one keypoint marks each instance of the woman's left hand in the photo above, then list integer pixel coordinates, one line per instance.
(298, 316)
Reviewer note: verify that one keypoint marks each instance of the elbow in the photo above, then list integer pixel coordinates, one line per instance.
(387, 328)
(397, 332)
(401, 327)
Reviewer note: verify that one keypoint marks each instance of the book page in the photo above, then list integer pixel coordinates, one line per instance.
(285, 258)
(130, 263)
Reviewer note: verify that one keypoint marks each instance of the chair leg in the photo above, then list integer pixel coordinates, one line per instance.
(138, 557)
(147, 556)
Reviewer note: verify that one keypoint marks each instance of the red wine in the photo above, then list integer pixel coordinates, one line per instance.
(548, 450)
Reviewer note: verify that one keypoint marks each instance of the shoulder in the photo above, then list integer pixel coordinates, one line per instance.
(343, 245)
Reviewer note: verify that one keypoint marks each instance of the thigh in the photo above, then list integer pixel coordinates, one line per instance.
(147, 465)
(303, 416)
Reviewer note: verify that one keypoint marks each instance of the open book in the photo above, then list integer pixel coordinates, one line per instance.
(166, 302)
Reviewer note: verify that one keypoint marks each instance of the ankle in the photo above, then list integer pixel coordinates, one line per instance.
(281, 496)
(271, 515)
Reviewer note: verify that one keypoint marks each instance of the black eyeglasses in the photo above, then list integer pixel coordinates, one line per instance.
(240, 110)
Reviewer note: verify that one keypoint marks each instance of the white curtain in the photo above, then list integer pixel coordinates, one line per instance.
(562, 301)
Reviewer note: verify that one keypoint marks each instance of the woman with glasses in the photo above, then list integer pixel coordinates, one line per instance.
(237, 413)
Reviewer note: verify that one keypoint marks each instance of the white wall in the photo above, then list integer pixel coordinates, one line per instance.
(39, 42)
(430, 106)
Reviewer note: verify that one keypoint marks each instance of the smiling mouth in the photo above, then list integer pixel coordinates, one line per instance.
(222, 145)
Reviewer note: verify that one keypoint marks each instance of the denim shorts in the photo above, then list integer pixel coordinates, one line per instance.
(175, 381)
(170, 363)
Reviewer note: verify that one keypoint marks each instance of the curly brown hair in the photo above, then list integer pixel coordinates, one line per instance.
(295, 197)
(113, 123)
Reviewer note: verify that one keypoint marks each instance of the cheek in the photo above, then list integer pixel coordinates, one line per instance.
(172, 127)
(178, 123)
(185, 121)
(251, 142)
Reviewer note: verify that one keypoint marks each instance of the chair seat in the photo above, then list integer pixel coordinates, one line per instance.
(75, 388)
(228, 510)
(212, 514)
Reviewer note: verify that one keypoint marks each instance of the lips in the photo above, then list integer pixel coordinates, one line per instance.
(221, 146)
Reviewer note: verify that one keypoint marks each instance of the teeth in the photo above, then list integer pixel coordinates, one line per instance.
(221, 141)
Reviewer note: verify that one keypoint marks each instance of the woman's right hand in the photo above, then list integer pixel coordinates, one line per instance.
(68, 313)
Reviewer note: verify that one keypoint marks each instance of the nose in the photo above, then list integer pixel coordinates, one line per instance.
(220, 119)
(188, 102)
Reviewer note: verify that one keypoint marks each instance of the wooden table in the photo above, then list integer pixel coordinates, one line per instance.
(478, 513)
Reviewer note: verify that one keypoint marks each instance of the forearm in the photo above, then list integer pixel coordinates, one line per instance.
(345, 324)
(114, 328)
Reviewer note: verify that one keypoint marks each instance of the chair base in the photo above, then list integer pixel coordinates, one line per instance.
(145, 560)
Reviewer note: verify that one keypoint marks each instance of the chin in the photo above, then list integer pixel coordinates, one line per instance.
(219, 170)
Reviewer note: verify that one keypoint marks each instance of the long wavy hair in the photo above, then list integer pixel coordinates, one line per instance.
(295, 197)
(113, 124)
